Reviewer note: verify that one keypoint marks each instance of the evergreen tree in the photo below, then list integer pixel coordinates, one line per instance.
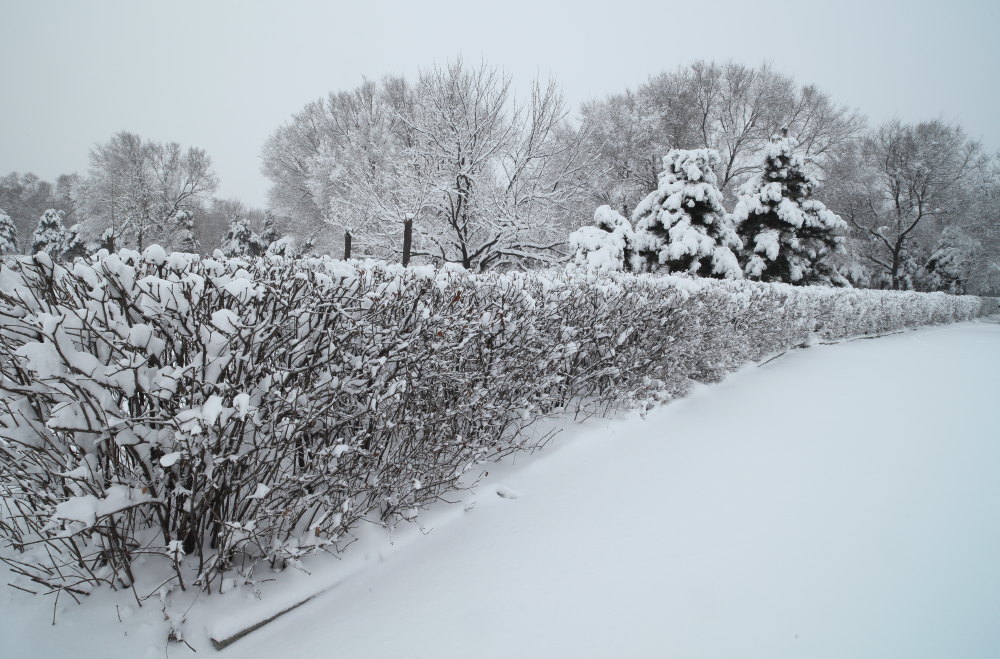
(8, 235)
(608, 245)
(269, 235)
(75, 245)
(681, 226)
(186, 242)
(947, 269)
(240, 239)
(787, 236)
(50, 235)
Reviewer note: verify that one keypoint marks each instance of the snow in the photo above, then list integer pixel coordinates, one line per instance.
(605, 246)
(837, 502)
(88, 508)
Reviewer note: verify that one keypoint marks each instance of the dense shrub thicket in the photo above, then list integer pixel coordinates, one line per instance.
(219, 412)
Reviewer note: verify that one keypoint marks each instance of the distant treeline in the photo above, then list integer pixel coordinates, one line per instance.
(492, 179)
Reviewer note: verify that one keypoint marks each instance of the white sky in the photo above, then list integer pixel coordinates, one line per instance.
(223, 75)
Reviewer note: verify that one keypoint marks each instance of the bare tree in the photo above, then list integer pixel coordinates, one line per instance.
(136, 189)
(911, 179)
(731, 108)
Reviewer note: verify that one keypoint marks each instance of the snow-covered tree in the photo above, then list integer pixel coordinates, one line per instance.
(787, 235)
(682, 226)
(730, 107)
(950, 264)
(50, 235)
(75, 244)
(24, 197)
(136, 188)
(909, 181)
(482, 173)
(606, 245)
(269, 234)
(8, 234)
(186, 242)
(241, 240)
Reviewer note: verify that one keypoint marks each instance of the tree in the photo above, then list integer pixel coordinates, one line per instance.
(241, 240)
(487, 180)
(25, 197)
(730, 108)
(607, 245)
(74, 244)
(337, 158)
(138, 189)
(912, 179)
(681, 226)
(186, 242)
(950, 265)
(49, 235)
(625, 153)
(787, 236)
(8, 235)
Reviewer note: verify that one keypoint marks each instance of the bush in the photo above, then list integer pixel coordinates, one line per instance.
(216, 413)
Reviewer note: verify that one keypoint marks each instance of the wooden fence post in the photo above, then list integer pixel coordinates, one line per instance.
(407, 239)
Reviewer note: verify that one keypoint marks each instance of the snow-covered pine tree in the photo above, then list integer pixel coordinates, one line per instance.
(284, 246)
(681, 226)
(269, 234)
(947, 269)
(50, 235)
(186, 242)
(787, 236)
(75, 245)
(8, 234)
(607, 245)
(240, 239)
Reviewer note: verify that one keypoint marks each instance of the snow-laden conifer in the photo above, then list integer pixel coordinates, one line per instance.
(240, 239)
(186, 242)
(74, 244)
(947, 269)
(606, 245)
(787, 235)
(8, 234)
(50, 235)
(682, 226)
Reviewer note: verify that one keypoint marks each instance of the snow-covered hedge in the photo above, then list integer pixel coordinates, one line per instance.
(215, 413)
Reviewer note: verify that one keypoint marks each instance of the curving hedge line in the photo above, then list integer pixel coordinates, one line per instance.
(215, 413)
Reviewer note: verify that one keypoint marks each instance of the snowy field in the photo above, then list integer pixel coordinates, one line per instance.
(840, 501)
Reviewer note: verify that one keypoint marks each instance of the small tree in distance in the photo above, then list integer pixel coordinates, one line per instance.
(240, 239)
(50, 235)
(608, 245)
(8, 235)
(74, 245)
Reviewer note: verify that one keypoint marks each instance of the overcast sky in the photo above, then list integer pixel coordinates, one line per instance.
(223, 75)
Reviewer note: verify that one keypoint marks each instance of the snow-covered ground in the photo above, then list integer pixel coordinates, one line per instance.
(841, 501)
